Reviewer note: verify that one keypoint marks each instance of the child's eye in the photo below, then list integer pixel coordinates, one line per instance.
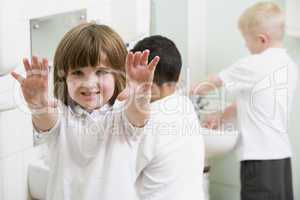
(102, 72)
(77, 73)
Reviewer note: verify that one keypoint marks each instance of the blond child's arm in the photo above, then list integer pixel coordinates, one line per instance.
(213, 82)
(229, 112)
(213, 121)
(35, 91)
(139, 75)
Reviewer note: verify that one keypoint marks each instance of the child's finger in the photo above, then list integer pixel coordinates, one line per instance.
(129, 59)
(34, 60)
(26, 66)
(137, 58)
(144, 58)
(45, 66)
(123, 95)
(18, 77)
(153, 63)
(205, 124)
(129, 64)
(35, 63)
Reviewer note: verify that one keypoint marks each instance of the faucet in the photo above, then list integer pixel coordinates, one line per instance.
(200, 104)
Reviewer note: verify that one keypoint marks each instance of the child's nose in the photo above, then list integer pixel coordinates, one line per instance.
(91, 82)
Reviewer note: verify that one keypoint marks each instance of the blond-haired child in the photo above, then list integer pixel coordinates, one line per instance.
(262, 26)
(263, 85)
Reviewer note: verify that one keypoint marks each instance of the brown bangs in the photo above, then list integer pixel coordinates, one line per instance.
(82, 48)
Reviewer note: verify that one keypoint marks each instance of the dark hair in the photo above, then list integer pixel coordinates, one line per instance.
(169, 65)
(82, 46)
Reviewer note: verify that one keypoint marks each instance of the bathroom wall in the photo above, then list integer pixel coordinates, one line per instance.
(16, 145)
(170, 20)
(224, 46)
(293, 46)
(183, 22)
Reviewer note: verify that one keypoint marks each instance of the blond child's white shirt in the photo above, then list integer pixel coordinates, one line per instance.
(100, 155)
(263, 86)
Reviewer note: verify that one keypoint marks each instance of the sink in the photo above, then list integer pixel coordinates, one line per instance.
(217, 142)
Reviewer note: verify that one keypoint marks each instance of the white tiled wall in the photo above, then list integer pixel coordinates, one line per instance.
(16, 145)
(16, 132)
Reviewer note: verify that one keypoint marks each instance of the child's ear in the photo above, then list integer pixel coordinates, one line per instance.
(263, 38)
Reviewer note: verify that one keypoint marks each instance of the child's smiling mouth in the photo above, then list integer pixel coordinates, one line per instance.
(90, 96)
(89, 93)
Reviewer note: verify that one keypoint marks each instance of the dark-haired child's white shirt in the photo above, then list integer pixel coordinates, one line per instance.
(100, 155)
(263, 86)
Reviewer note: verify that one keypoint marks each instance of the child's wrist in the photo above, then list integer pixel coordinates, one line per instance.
(38, 111)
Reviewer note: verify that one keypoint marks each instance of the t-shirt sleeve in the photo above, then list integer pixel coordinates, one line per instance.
(121, 122)
(240, 76)
(41, 137)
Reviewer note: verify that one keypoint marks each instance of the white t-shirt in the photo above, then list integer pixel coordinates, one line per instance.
(263, 86)
(102, 156)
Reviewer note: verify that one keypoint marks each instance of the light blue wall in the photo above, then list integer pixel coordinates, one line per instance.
(293, 47)
(169, 18)
(225, 45)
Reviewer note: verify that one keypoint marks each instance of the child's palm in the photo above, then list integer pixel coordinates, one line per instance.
(139, 73)
(137, 68)
(212, 121)
(35, 85)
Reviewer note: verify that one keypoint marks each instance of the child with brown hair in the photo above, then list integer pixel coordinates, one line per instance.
(91, 138)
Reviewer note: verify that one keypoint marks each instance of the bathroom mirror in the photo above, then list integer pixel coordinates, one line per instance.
(46, 32)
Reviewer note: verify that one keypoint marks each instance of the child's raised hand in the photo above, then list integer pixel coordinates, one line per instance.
(139, 77)
(137, 68)
(35, 85)
(139, 73)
